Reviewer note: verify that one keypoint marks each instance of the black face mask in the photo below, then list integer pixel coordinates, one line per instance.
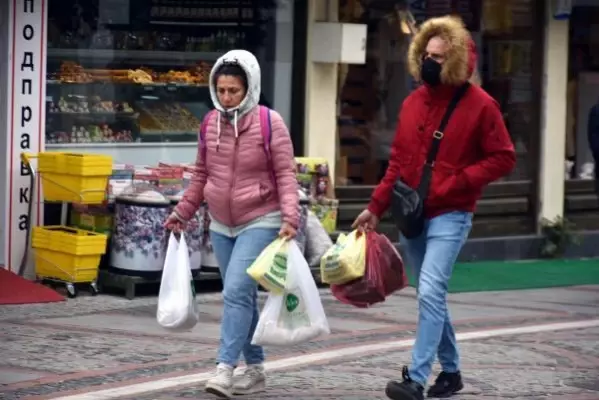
(431, 72)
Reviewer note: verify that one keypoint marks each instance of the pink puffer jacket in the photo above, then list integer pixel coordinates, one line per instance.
(236, 180)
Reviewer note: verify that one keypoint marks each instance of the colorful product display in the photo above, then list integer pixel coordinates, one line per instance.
(314, 178)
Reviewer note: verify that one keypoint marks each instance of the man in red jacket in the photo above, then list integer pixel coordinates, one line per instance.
(475, 150)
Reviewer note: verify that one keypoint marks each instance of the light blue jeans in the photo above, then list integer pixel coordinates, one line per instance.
(240, 293)
(431, 257)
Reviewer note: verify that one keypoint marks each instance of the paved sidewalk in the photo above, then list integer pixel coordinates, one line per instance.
(97, 343)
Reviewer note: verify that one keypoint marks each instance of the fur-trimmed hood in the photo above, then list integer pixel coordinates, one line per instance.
(461, 56)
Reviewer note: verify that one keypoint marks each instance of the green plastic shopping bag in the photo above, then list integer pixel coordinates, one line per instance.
(270, 268)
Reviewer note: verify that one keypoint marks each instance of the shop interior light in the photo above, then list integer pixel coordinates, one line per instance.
(147, 97)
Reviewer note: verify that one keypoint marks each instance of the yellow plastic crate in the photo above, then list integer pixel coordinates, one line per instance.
(73, 188)
(74, 177)
(80, 164)
(77, 242)
(66, 267)
(51, 162)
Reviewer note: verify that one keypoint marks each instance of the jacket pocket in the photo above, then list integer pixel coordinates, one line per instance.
(443, 182)
(265, 191)
(247, 198)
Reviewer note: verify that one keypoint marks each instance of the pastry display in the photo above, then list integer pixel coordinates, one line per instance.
(110, 83)
(71, 72)
(90, 134)
(160, 118)
(139, 76)
(86, 106)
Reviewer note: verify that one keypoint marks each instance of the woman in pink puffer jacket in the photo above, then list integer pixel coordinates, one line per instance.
(252, 197)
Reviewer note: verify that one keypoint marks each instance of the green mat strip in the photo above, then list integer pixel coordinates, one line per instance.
(502, 275)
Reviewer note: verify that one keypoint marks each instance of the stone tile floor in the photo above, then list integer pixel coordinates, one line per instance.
(93, 343)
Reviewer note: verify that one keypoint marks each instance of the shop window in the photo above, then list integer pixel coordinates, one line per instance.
(509, 47)
(370, 95)
(582, 122)
(129, 77)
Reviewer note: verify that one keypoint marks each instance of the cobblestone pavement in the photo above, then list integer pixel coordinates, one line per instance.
(94, 343)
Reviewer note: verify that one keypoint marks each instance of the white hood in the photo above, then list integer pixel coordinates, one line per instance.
(249, 63)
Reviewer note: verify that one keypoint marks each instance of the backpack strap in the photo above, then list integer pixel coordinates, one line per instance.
(266, 130)
(203, 130)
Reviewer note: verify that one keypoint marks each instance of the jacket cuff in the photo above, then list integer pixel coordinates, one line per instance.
(179, 217)
(375, 208)
(294, 222)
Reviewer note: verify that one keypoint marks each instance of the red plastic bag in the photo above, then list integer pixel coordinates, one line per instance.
(385, 274)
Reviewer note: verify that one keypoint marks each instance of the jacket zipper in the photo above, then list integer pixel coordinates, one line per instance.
(232, 183)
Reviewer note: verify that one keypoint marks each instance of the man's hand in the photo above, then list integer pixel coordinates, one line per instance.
(366, 221)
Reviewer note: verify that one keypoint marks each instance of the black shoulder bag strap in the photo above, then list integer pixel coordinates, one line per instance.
(427, 170)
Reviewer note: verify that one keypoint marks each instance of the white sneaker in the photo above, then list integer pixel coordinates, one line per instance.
(222, 383)
(253, 380)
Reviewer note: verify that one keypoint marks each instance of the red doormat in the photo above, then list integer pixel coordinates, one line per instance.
(18, 290)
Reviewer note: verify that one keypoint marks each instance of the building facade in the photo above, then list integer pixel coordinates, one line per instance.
(128, 78)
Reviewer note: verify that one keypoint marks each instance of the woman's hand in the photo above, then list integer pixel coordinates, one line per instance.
(173, 223)
(287, 231)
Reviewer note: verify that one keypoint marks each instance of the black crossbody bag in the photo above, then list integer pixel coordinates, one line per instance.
(407, 204)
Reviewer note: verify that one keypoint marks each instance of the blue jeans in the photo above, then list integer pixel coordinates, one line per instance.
(240, 293)
(431, 257)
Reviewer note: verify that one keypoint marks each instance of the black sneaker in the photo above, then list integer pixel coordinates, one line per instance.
(405, 390)
(446, 385)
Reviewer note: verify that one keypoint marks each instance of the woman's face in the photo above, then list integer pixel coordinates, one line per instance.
(230, 91)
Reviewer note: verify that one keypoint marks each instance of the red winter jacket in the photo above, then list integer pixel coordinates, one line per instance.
(476, 148)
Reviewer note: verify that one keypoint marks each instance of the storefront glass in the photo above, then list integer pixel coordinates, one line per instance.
(129, 77)
(583, 89)
(370, 95)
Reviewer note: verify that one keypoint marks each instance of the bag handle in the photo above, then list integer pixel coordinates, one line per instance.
(427, 171)
(266, 131)
(203, 130)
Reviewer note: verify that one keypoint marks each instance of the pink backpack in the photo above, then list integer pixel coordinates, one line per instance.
(265, 129)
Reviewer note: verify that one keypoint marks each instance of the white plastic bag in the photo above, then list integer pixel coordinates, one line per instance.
(177, 308)
(318, 241)
(297, 315)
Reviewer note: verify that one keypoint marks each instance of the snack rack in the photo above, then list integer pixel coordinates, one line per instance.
(65, 255)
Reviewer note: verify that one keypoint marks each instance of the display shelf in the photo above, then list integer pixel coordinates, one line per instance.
(132, 55)
(94, 115)
(223, 24)
(146, 86)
